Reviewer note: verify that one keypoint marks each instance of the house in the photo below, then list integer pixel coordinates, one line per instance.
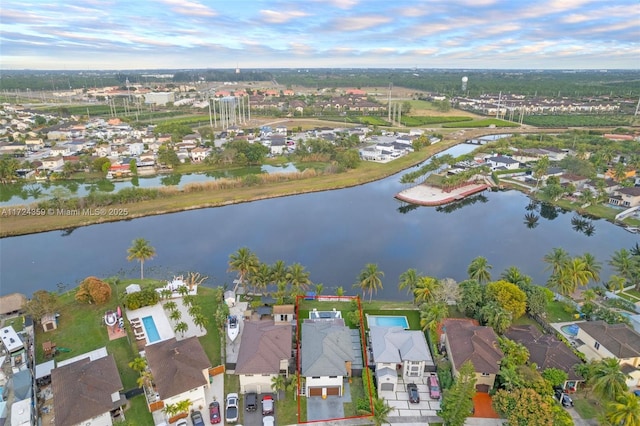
(180, 370)
(198, 154)
(546, 351)
(626, 197)
(52, 163)
(12, 303)
(502, 162)
(264, 353)
(327, 354)
(94, 386)
(278, 145)
(34, 144)
(60, 150)
(399, 351)
(601, 340)
(466, 341)
(284, 313)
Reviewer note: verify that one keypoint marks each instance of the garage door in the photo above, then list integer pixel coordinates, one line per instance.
(333, 391)
(315, 391)
(387, 387)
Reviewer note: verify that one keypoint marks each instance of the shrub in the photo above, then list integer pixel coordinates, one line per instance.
(93, 290)
(145, 297)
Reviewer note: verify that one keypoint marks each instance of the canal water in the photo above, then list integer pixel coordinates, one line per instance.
(333, 234)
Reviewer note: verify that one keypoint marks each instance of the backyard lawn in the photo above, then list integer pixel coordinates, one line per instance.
(588, 408)
(137, 413)
(557, 312)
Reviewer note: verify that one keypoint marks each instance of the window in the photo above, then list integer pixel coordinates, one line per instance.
(485, 374)
(315, 377)
(596, 345)
(283, 317)
(333, 377)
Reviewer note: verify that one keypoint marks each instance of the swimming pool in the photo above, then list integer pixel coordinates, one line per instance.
(388, 321)
(571, 330)
(150, 329)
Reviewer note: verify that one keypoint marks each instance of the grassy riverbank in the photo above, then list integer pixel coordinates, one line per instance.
(14, 224)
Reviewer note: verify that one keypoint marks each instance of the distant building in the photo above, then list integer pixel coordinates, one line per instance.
(159, 98)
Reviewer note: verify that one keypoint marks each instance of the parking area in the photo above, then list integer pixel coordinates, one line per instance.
(399, 400)
(254, 418)
(330, 408)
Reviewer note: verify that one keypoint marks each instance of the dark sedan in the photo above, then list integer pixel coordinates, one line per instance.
(414, 396)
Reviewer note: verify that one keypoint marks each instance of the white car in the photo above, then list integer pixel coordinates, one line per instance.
(232, 408)
(268, 421)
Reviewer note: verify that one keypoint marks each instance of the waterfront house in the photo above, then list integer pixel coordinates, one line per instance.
(502, 163)
(13, 303)
(546, 351)
(52, 163)
(264, 353)
(466, 341)
(327, 355)
(87, 392)
(626, 197)
(601, 340)
(180, 371)
(397, 351)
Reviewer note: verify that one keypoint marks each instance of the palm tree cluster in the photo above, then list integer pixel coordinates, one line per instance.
(291, 280)
(608, 381)
(568, 273)
(431, 295)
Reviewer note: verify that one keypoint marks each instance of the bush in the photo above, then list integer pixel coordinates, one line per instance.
(145, 297)
(93, 290)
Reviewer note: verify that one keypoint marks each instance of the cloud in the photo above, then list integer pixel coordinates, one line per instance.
(275, 17)
(359, 23)
(189, 8)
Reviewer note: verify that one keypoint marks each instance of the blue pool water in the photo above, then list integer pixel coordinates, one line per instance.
(571, 330)
(388, 321)
(150, 329)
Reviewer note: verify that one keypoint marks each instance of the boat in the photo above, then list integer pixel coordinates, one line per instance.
(119, 311)
(233, 327)
(110, 318)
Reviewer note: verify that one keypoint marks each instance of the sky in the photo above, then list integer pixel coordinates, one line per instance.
(185, 34)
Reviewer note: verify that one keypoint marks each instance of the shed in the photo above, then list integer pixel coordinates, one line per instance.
(49, 322)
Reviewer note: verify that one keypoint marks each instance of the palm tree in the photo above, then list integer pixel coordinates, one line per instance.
(370, 279)
(616, 282)
(200, 320)
(608, 379)
(339, 291)
(194, 310)
(379, 412)
(171, 306)
(425, 289)
(298, 278)
(635, 250)
(540, 169)
(244, 262)
(556, 260)
(175, 315)
(141, 250)
(479, 270)
(165, 293)
(261, 278)
(409, 280)
(496, 317)
(625, 410)
(181, 328)
(626, 265)
(138, 364)
(319, 289)
(278, 383)
(279, 272)
(432, 314)
(145, 379)
(592, 266)
(513, 275)
(577, 273)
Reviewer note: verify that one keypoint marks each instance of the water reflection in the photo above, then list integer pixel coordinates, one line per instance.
(531, 220)
(468, 201)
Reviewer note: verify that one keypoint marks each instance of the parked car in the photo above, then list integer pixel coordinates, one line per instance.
(434, 387)
(232, 408)
(414, 396)
(267, 405)
(268, 421)
(214, 412)
(182, 422)
(563, 398)
(251, 401)
(637, 393)
(196, 418)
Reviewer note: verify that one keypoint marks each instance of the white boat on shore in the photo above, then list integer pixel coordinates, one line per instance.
(233, 327)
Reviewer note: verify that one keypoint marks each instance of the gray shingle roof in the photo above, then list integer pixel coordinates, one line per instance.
(326, 346)
(395, 345)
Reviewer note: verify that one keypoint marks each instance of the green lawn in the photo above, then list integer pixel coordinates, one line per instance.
(587, 408)
(357, 392)
(287, 410)
(556, 312)
(137, 413)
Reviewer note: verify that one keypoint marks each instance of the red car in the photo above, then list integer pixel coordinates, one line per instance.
(267, 405)
(214, 412)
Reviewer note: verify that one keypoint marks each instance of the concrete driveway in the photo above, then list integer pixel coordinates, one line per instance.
(325, 409)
